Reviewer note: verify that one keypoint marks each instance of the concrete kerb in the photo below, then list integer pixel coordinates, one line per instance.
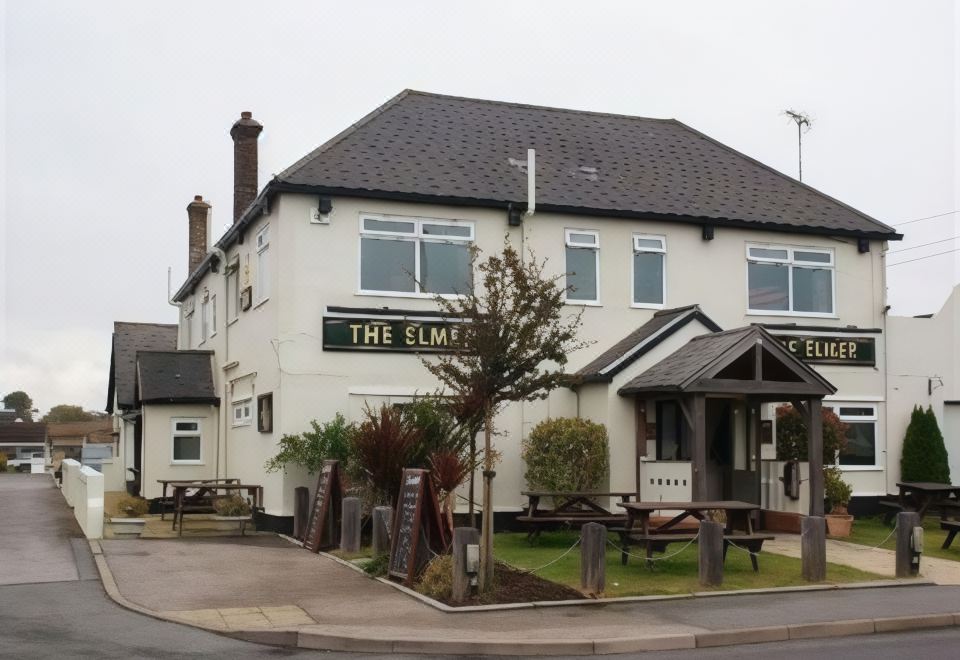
(315, 637)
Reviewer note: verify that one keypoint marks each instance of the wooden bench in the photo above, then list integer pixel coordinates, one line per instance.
(951, 527)
(892, 509)
(658, 543)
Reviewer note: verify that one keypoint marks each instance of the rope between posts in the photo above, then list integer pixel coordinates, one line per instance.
(749, 552)
(877, 547)
(549, 563)
(645, 558)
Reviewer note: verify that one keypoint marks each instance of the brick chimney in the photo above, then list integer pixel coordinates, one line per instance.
(198, 211)
(244, 133)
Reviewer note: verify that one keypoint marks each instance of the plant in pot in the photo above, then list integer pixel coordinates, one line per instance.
(837, 493)
(233, 508)
(130, 521)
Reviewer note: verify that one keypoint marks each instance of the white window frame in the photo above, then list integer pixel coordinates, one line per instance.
(246, 415)
(836, 406)
(416, 237)
(263, 268)
(568, 242)
(637, 249)
(790, 262)
(174, 434)
(204, 320)
(213, 315)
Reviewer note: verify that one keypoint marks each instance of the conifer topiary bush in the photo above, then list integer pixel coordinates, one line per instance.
(566, 454)
(924, 455)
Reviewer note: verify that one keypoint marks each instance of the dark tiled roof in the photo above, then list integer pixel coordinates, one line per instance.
(663, 324)
(175, 377)
(23, 432)
(96, 427)
(443, 146)
(128, 338)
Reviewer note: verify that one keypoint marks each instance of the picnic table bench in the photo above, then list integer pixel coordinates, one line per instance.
(166, 504)
(951, 527)
(921, 496)
(738, 530)
(205, 492)
(571, 509)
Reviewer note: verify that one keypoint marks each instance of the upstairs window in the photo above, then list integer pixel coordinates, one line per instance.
(233, 290)
(649, 280)
(788, 280)
(415, 256)
(242, 412)
(263, 267)
(204, 320)
(583, 266)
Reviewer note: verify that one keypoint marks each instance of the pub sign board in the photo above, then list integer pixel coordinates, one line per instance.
(323, 527)
(418, 532)
(855, 351)
(373, 334)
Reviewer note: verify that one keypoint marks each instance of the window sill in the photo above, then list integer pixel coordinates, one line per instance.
(411, 294)
(232, 321)
(261, 302)
(806, 315)
(240, 426)
(637, 305)
(584, 303)
(861, 468)
(176, 463)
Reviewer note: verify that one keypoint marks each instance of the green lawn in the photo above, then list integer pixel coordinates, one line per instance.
(676, 575)
(871, 531)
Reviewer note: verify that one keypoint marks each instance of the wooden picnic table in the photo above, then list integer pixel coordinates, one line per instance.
(738, 528)
(165, 482)
(570, 508)
(921, 495)
(208, 490)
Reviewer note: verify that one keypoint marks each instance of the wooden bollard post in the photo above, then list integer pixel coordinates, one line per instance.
(813, 548)
(906, 567)
(301, 511)
(710, 549)
(380, 536)
(593, 553)
(350, 525)
(462, 537)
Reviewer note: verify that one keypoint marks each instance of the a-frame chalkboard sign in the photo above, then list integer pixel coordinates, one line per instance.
(323, 529)
(418, 532)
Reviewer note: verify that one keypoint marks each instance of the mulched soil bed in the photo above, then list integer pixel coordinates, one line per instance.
(513, 586)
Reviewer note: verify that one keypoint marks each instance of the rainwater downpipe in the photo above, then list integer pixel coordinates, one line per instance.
(225, 267)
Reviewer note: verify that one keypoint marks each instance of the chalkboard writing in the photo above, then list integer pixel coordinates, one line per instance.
(417, 530)
(322, 528)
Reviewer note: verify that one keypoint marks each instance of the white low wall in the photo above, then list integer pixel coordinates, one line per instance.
(83, 490)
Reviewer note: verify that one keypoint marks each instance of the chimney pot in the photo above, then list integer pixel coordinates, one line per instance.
(198, 198)
(246, 114)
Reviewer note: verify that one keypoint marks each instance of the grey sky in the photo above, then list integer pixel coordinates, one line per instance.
(116, 113)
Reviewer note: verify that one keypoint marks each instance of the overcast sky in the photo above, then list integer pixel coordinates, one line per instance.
(116, 113)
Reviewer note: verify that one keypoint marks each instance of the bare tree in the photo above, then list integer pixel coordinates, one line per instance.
(512, 345)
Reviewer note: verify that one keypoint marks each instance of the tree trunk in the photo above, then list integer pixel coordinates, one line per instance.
(473, 453)
(486, 537)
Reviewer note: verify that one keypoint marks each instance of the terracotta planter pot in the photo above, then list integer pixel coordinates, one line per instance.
(839, 525)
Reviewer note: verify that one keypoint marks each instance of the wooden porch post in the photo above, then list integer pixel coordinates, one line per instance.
(699, 447)
(815, 455)
(640, 407)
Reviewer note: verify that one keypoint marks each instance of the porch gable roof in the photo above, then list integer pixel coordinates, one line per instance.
(694, 368)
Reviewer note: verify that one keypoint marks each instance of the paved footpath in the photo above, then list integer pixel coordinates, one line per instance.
(258, 586)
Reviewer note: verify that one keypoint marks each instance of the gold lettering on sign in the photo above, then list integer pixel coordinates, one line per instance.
(370, 334)
(792, 345)
(410, 335)
(355, 327)
(387, 334)
(853, 350)
(438, 337)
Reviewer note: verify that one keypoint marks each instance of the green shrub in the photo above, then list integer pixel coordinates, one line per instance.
(231, 505)
(437, 579)
(566, 454)
(837, 491)
(384, 444)
(377, 567)
(331, 441)
(924, 455)
(792, 435)
(132, 507)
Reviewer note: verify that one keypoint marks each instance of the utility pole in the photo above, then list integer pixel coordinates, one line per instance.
(803, 121)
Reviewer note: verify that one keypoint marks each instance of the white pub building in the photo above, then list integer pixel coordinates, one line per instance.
(686, 257)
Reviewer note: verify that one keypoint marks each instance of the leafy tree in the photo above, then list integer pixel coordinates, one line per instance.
(792, 435)
(512, 346)
(924, 455)
(21, 402)
(566, 454)
(330, 441)
(67, 413)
